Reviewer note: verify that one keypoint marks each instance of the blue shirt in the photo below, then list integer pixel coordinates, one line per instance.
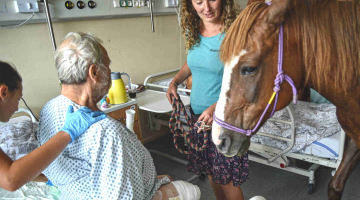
(106, 162)
(207, 72)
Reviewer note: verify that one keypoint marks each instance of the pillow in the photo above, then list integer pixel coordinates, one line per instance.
(315, 97)
(18, 139)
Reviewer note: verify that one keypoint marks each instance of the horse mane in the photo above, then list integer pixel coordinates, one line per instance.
(328, 34)
(236, 36)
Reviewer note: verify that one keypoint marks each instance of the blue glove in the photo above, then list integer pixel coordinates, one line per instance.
(49, 183)
(78, 122)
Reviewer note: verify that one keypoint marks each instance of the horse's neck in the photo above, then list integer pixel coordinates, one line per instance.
(341, 97)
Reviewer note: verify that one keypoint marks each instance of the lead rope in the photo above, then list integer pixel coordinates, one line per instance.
(179, 107)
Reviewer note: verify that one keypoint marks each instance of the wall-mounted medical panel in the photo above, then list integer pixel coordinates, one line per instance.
(65, 10)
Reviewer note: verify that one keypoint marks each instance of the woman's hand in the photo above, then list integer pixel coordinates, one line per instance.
(78, 122)
(172, 90)
(207, 117)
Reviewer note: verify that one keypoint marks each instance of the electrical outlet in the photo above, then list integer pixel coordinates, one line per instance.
(142, 3)
(129, 3)
(171, 3)
(152, 3)
(24, 6)
(116, 3)
(122, 3)
(136, 3)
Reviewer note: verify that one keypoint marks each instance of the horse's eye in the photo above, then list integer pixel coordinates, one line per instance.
(248, 70)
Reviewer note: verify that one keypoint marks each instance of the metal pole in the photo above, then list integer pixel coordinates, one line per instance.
(151, 16)
(48, 19)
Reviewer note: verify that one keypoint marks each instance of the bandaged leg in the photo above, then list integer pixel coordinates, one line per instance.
(258, 198)
(178, 190)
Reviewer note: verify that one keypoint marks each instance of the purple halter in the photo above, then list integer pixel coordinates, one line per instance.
(280, 77)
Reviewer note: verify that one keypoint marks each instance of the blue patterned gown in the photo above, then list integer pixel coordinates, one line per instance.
(106, 162)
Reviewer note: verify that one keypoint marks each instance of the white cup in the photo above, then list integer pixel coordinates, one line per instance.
(130, 115)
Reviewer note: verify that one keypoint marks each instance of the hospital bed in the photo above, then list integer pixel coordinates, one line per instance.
(154, 101)
(325, 151)
(17, 139)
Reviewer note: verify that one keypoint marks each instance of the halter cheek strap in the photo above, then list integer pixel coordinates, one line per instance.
(280, 77)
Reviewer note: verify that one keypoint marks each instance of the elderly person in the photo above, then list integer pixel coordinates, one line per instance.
(107, 161)
(14, 174)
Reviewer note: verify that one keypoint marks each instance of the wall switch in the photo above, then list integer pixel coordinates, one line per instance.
(24, 6)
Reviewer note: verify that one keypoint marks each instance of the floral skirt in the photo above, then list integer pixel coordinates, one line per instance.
(222, 169)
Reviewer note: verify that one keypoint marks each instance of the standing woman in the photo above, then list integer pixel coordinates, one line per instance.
(14, 174)
(204, 25)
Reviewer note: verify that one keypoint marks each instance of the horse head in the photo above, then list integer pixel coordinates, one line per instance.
(250, 54)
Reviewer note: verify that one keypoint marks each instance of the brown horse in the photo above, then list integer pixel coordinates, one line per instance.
(321, 51)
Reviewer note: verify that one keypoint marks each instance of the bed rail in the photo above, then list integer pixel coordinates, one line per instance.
(146, 84)
(290, 110)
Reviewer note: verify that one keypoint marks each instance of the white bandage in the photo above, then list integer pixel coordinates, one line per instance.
(187, 191)
(258, 198)
(157, 196)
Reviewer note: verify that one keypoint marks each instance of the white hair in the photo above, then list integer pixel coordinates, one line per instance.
(73, 59)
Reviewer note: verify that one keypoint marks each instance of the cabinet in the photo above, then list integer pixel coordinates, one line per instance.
(120, 115)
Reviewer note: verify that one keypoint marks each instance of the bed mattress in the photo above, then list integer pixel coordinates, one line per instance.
(317, 130)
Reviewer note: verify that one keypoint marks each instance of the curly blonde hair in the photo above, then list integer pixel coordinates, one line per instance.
(190, 20)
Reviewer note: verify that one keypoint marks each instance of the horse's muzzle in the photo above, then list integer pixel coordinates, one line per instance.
(232, 143)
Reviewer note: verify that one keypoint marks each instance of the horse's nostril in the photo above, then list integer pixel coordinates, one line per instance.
(225, 144)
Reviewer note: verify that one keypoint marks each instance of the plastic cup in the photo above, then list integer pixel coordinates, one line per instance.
(130, 115)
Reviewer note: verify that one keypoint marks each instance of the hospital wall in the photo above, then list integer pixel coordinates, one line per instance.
(132, 47)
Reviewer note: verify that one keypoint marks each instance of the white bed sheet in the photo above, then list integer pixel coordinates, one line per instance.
(17, 139)
(326, 148)
(314, 124)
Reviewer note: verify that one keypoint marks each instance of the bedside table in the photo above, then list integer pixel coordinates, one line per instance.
(118, 112)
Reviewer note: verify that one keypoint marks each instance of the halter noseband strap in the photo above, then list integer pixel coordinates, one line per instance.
(280, 77)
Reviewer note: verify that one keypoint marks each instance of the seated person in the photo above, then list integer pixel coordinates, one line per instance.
(107, 161)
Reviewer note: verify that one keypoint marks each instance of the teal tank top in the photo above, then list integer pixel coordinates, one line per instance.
(207, 72)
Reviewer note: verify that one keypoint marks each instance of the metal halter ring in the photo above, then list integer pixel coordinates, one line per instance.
(201, 125)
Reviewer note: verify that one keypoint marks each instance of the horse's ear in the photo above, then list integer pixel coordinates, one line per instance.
(277, 11)
(252, 1)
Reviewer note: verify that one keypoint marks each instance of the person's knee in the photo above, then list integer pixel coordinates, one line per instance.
(258, 198)
(187, 191)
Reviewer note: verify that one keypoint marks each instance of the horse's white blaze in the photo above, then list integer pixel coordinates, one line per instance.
(225, 87)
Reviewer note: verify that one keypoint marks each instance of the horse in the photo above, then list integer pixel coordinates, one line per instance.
(310, 44)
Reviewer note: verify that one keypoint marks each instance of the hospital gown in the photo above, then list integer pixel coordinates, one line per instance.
(106, 162)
